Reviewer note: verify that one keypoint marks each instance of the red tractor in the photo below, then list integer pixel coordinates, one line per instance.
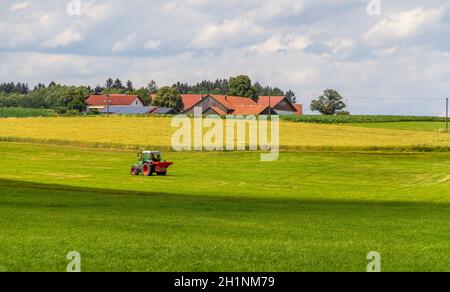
(149, 163)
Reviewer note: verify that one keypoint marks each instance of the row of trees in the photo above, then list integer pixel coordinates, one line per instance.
(330, 103)
(220, 86)
(11, 87)
(65, 99)
(61, 98)
(235, 86)
(240, 85)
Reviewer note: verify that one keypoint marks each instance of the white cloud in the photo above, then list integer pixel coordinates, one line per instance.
(152, 44)
(298, 42)
(68, 37)
(273, 44)
(215, 35)
(294, 44)
(13, 35)
(125, 44)
(98, 12)
(340, 45)
(246, 27)
(279, 43)
(19, 6)
(44, 67)
(271, 9)
(401, 25)
(45, 20)
(386, 52)
(409, 74)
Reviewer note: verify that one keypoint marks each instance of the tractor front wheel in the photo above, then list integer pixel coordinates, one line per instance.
(162, 173)
(147, 170)
(134, 171)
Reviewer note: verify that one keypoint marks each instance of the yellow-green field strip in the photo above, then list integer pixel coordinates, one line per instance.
(135, 133)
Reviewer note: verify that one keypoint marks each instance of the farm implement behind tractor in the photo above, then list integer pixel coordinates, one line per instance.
(150, 162)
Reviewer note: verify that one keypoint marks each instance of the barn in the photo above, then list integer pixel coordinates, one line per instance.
(102, 102)
(129, 110)
(280, 105)
(236, 105)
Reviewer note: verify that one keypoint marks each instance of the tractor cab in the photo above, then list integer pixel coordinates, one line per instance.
(150, 162)
(150, 156)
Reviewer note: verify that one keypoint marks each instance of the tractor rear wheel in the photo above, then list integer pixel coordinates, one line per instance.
(147, 169)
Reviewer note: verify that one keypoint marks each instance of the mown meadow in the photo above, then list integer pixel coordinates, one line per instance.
(221, 211)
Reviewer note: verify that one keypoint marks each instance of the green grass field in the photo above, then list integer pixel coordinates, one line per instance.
(312, 211)
(9, 112)
(410, 126)
(355, 119)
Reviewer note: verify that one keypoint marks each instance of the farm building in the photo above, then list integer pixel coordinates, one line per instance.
(281, 105)
(236, 105)
(122, 104)
(129, 110)
(138, 110)
(100, 102)
(164, 111)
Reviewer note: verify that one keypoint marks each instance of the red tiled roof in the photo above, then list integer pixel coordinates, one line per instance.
(249, 109)
(189, 100)
(218, 110)
(274, 100)
(237, 105)
(231, 102)
(116, 99)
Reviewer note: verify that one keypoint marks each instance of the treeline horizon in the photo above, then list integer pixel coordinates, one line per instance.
(68, 98)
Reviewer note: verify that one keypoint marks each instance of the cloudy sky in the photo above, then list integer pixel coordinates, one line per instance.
(395, 59)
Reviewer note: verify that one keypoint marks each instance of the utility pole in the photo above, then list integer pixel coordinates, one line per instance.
(108, 102)
(446, 114)
(270, 108)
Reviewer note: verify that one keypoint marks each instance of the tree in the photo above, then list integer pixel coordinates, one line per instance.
(73, 98)
(109, 83)
(130, 85)
(21, 88)
(11, 87)
(65, 98)
(290, 95)
(169, 97)
(118, 84)
(98, 89)
(144, 95)
(259, 90)
(152, 87)
(266, 91)
(276, 92)
(39, 86)
(114, 90)
(329, 103)
(220, 86)
(242, 86)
